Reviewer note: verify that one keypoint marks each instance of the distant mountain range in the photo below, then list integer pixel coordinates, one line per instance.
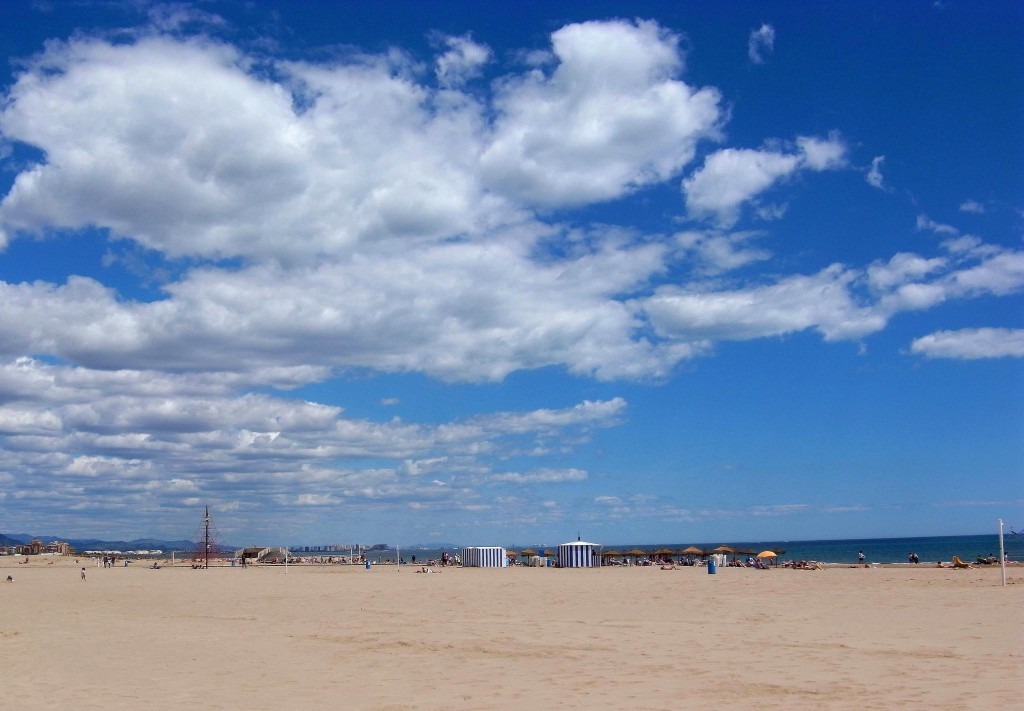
(95, 544)
(9, 541)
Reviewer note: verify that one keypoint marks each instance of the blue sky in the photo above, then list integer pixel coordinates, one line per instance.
(411, 272)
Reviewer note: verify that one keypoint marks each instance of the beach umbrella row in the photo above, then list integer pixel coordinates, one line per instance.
(690, 551)
(527, 552)
(694, 550)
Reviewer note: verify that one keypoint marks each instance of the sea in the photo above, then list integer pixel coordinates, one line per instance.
(931, 549)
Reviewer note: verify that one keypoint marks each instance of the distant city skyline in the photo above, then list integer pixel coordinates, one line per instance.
(417, 271)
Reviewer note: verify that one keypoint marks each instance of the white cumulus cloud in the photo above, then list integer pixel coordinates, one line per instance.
(733, 176)
(761, 43)
(610, 117)
(463, 61)
(874, 174)
(971, 344)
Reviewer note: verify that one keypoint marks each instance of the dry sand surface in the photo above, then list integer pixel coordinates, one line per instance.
(336, 637)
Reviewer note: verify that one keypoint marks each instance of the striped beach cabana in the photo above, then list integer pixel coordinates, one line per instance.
(579, 554)
(484, 557)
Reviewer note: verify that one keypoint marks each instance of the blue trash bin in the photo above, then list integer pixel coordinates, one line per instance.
(712, 566)
(369, 565)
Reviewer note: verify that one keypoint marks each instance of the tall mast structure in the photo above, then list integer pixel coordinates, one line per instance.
(206, 541)
(206, 537)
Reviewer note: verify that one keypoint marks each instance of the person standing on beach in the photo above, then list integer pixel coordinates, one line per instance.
(83, 573)
(860, 557)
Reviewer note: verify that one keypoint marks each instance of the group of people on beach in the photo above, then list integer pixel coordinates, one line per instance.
(803, 565)
(991, 559)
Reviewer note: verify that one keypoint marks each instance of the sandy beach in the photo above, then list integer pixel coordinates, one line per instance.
(318, 637)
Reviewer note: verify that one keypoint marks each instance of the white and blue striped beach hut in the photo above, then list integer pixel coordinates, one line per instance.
(579, 554)
(484, 557)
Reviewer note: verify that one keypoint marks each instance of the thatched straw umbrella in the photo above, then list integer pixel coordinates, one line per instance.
(636, 553)
(692, 551)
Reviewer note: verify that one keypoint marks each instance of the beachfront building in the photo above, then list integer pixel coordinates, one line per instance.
(263, 554)
(37, 547)
(484, 557)
(579, 554)
(252, 553)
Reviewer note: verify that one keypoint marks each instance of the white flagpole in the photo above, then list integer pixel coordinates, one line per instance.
(286, 560)
(398, 556)
(1002, 554)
